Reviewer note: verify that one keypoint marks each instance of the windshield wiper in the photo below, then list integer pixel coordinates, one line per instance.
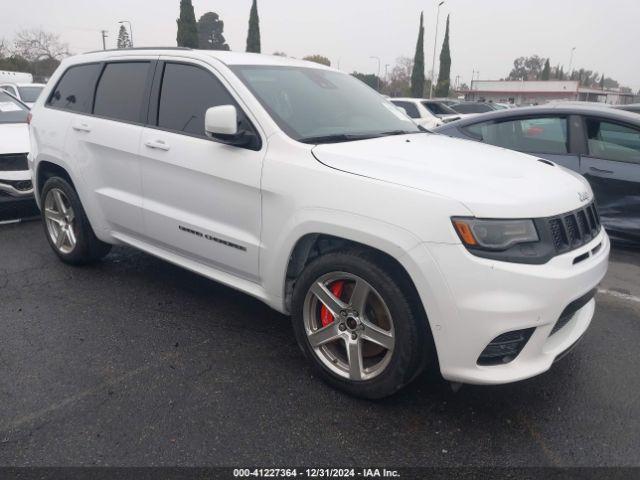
(337, 138)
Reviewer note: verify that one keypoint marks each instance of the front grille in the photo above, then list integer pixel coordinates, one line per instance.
(505, 348)
(575, 229)
(14, 162)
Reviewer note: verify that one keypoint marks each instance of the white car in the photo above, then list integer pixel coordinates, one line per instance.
(16, 190)
(27, 93)
(419, 112)
(393, 249)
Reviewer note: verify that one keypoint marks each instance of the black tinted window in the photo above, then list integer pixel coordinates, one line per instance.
(75, 89)
(472, 108)
(531, 135)
(409, 107)
(121, 89)
(187, 93)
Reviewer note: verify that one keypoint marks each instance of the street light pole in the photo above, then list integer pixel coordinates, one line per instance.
(104, 38)
(379, 67)
(130, 31)
(571, 60)
(435, 42)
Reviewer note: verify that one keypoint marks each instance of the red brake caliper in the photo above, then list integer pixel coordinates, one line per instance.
(325, 315)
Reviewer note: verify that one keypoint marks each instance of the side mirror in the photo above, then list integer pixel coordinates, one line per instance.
(222, 120)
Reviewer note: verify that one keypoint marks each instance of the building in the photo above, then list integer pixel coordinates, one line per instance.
(540, 92)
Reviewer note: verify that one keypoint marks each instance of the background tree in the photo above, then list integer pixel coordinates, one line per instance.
(36, 44)
(187, 29)
(546, 71)
(322, 60)
(210, 32)
(253, 37)
(123, 38)
(417, 76)
(399, 81)
(370, 79)
(602, 82)
(444, 75)
(279, 54)
(528, 68)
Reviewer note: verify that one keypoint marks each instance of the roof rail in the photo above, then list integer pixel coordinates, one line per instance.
(139, 48)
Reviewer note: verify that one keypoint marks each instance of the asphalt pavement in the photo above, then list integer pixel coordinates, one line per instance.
(135, 362)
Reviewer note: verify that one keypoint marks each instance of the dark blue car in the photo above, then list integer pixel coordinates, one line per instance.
(601, 143)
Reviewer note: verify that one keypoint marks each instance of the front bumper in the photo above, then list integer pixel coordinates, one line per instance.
(471, 301)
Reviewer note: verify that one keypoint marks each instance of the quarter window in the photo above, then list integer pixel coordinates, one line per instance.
(74, 91)
(532, 135)
(187, 92)
(611, 141)
(121, 91)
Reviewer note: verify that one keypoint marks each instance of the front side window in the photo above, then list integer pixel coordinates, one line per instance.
(74, 91)
(409, 107)
(532, 135)
(10, 89)
(186, 94)
(611, 141)
(317, 106)
(121, 91)
(12, 111)
(30, 94)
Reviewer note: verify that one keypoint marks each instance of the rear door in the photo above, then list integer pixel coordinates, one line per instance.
(106, 144)
(202, 198)
(611, 164)
(545, 136)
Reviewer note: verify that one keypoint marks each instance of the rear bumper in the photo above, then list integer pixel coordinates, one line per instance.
(479, 300)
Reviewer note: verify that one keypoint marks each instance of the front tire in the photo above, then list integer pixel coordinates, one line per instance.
(359, 325)
(66, 225)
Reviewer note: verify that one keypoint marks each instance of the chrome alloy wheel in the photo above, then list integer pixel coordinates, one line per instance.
(61, 220)
(349, 326)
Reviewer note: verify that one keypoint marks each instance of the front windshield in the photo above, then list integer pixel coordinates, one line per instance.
(30, 94)
(321, 106)
(11, 111)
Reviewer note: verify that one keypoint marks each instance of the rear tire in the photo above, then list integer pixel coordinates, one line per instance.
(391, 329)
(66, 225)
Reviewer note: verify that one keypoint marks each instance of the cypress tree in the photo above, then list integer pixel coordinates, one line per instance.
(187, 28)
(123, 38)
(253, 38)
(444, 76)
(417, 76)
(546, 71)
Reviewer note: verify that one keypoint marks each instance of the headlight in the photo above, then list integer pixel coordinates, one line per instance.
(494, 235)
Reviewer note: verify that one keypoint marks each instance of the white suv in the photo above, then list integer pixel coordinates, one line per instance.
(393, 249)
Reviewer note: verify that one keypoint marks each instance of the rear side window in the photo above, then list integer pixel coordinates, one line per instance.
(531, 135)
(74, 91)
(187, 92)
(410, 108)
(121, 91)
(611, 141)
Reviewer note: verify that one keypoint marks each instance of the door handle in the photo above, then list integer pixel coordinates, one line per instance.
(599, 170)
(81, 127)
(157, 145)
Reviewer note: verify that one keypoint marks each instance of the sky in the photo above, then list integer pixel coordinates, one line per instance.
(486, 35)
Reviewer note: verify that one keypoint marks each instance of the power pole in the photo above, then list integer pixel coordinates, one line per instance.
(433, 60)
(105, 34)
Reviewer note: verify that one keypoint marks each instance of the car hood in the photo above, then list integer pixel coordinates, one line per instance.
(14, 138)
(491, 182)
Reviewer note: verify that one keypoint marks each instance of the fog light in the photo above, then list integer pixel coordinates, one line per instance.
(505, 348)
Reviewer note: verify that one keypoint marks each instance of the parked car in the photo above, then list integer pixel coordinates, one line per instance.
(27, 93)
(442, 110)
(601, 143)
(16, 191)
(393, 249)
(418, 112)
(472, 108)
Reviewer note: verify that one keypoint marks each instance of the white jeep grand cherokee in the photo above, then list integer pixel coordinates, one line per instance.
(392, 248)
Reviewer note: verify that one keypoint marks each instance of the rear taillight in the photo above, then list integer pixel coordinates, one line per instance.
(29, 117)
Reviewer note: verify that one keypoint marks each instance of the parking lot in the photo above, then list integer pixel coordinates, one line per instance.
(137, 362)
